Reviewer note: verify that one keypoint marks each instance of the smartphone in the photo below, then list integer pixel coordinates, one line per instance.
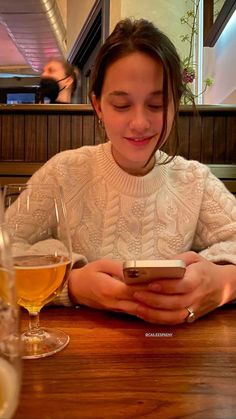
(143, 271)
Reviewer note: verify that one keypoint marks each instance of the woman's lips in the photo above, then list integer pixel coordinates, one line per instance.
(139, 141)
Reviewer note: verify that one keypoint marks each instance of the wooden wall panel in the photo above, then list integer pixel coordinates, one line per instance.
(65, 132)
(53, 143)
(207, 139)
(184, 132)
(88, 130)
(35, 138)
(34, 133)
(41, 138)
(76, 131)
(30, 135)
(18, 137)
(230, 140)
(219, 148)
(30, 138)
(195, 138)
(7, 146)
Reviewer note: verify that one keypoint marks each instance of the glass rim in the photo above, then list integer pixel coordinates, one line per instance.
(20, 187)
(29, 184)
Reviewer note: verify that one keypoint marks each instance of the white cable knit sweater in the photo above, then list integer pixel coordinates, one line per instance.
(174, 208)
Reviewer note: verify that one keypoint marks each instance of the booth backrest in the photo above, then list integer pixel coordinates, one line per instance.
(31, 134)
(226, 173)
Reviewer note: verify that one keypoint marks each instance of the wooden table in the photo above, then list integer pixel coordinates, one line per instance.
(117, 366)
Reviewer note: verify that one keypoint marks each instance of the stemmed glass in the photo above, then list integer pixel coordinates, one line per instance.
(10, 355)
(41, 248)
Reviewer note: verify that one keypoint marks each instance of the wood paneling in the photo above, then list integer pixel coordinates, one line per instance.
(89, 130)
(76, 131)
(34, 133)
(7, 146)
(53, 142)
(30, 138)
(18, 137)
(65, 132)
(184, 123)
(219, 148)
(207, 139)
(230, 152)
(17, 172)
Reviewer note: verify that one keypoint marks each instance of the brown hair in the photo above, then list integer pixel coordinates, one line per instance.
(70, 71)
(141, 35)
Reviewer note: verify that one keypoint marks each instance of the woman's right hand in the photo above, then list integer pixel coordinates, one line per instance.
(95, 285)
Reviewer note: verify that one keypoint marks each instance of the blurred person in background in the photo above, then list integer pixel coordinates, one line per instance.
(59, 82)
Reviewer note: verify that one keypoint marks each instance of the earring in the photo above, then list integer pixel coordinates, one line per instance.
(100, 123)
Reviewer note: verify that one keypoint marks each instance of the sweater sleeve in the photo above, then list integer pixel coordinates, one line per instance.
(215, 237)
(78, 261)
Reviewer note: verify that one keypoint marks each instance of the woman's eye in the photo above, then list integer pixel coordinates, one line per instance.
(127, 106)
(121, 107)
(155, 107)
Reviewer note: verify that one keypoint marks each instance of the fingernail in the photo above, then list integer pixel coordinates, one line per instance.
(141, 311)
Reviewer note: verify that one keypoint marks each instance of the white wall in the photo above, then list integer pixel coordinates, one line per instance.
(165, 14)
(220, 63)
(115, 13)
(77, 13)
(62, 5)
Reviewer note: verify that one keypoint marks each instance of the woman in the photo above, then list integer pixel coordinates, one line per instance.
(58, 81)
(128, 200)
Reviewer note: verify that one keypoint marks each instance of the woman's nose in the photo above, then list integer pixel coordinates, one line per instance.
(139, 121)
(44, 73)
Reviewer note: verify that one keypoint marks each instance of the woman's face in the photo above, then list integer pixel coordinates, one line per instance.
(54, 69)
(131, 108)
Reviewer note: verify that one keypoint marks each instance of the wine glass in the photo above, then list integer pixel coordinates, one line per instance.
(41, 248)
(10, 355)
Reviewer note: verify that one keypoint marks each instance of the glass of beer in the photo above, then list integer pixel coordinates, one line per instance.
(41, 249)
(10, 355)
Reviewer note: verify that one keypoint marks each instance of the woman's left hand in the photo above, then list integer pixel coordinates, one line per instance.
(203, 288)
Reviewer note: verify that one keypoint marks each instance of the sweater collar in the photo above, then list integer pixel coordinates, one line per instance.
(124, 182)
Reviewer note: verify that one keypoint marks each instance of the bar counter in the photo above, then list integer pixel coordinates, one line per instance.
(118, 366)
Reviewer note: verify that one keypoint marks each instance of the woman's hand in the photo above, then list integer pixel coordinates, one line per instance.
(95, 285)
(204, 287)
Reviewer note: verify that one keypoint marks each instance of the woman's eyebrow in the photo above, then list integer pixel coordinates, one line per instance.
(121, 93)
(118, 93)
(157, 92)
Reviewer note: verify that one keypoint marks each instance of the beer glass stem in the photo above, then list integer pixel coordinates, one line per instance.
(34, 328)
(39, 342)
